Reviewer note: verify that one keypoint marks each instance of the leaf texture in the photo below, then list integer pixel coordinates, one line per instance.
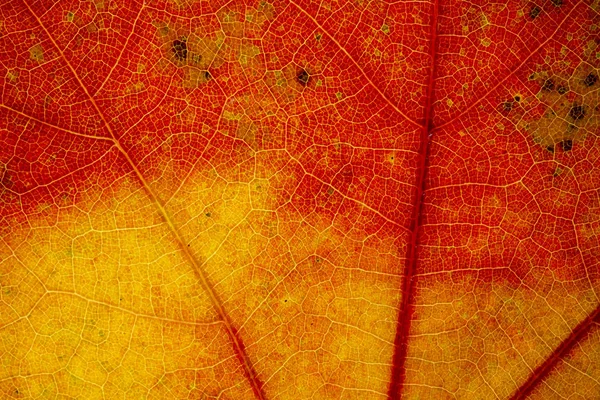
(296, 199)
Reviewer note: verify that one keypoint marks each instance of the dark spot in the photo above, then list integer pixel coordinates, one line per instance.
(550, 149)
(188, 245)
(285, 301)
(180, 49)
(590, 80)
(517, 98)
(577, 112)
(534, 12)
(567, 145)
(207, 75)
(303, 77)
(507, 105)
(557, 3)
(207, 214)
(548, 85)
(561, 89)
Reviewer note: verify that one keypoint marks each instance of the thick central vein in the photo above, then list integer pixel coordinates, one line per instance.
(398, 373)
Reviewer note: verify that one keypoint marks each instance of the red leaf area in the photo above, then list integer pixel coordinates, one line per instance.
(299, 199)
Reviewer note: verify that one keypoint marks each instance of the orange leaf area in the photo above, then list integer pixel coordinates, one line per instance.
(299, 200)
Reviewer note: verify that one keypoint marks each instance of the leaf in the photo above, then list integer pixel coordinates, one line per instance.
(299, 200)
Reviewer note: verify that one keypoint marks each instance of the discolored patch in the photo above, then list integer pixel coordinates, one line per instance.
(568, 109)
(577, 112)
(36, 53)
(557, 3)
(303, 77)
(506, 106)
(179, 49)
(535, 12)
(590, 79)
(548, 85)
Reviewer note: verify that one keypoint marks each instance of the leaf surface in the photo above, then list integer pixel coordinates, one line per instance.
(285, 200)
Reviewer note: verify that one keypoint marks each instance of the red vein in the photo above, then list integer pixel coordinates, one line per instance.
(544, 369)
(233, 334)
(398, 373)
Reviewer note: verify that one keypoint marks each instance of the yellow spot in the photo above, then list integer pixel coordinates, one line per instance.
(485, 42)
(99, 5)
(449, 102)
(484, 20)
(12, 75)
(385, 29)
(69, 17)
(36, 53)
(339, 95)
(136, 87)
(230, 116)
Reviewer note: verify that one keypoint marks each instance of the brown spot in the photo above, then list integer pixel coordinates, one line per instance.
(207, 75)
(548, 85)
(561, 89)
(590, 80)
(517, 98)
(534, 12)
(180, 50)
(303, 77)
(577, 112)
(550, 149)
(567, 144)
(507, 106)
(557, 3)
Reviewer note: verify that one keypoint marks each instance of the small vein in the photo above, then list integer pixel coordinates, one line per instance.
(365, 76)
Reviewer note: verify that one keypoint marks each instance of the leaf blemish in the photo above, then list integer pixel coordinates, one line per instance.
(577, 112)
(567, 144)
(303, 77)
(548, 85)
(534, 12)
(180, 49)
(590, 80)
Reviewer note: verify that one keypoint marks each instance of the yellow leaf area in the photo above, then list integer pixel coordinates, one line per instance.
(490, 337)
(100, 301)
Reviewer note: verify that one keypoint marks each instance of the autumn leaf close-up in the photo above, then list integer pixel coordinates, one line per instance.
(297, 199)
